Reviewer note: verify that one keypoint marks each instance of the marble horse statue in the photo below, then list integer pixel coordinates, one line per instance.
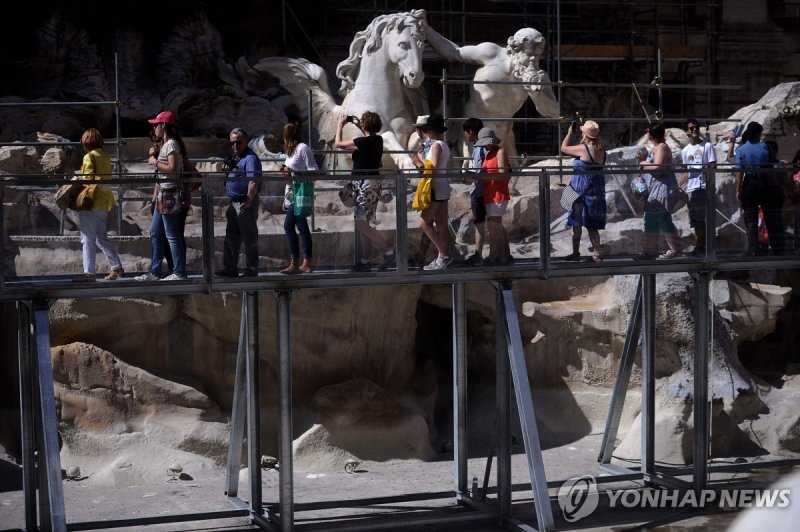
(383, 74)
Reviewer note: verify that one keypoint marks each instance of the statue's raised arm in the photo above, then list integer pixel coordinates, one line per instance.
(517, 61)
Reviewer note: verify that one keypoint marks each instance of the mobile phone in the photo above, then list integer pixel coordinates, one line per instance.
(738, 129)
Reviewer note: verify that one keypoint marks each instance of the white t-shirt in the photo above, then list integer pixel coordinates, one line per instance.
(301, 160)
(694, 156)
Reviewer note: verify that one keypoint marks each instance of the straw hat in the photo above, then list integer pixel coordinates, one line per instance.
(422, 121)
(590, 129)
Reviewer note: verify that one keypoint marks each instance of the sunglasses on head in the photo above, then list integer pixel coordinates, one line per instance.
(236, 142)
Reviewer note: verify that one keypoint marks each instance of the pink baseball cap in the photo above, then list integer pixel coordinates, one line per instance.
(164, 117)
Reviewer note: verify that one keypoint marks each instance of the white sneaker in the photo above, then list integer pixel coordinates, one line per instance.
(439, 264)
(174, 277)
(146, 277)
(434, 265)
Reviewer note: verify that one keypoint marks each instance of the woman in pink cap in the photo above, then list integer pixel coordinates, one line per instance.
(167, 196)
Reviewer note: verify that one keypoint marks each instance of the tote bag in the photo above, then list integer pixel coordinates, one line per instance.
(303, 198)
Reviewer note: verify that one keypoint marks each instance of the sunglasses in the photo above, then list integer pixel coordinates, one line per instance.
(236, 142)
(692, 128)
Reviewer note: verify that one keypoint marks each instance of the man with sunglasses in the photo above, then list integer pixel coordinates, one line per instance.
(242, 188)
(697, 156)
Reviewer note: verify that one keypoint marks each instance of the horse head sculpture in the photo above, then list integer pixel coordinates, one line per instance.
(382, 74)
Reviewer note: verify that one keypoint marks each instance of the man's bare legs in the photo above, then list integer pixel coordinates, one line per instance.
(499, 250)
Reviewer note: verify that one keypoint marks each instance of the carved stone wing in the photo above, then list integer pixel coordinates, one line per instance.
(298, 76)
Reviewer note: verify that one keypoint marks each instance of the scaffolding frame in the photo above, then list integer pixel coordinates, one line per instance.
(39, 420)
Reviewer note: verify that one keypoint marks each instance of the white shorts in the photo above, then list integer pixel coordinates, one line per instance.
(496, 209)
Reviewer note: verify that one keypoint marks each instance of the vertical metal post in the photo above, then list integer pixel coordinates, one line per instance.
(401, 226)
(711, 211)
(623, 378)
(238, 409)
(207, 220)
(250, 301)
(444, 92)
(286, 504)
(460, 389)
(118, 104)
(310, 107)
(51, 491)
(26, 413)
(544, 220)
(527, 413)
(503, 408)
(702, 341)
(648, 373)
(3, 239)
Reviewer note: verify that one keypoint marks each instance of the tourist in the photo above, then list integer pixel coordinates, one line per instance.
(471, 128)
(495, 196)
(242, 187)
(661, 184)
(367, 154)
(167, 197)
(93, 223)
(698, 156)
(756, 189)
(299, 161)
(589, 181)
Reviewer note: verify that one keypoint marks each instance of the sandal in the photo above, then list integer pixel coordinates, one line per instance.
(671, 254)
(597, 258)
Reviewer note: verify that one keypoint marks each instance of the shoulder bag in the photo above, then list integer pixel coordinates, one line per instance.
(348, 194)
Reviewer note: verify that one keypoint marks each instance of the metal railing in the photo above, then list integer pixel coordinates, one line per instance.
(540, 192)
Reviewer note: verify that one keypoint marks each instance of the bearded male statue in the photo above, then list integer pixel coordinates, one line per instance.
(518, 61)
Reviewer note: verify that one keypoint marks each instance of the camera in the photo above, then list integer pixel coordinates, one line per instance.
(350, 118)
(578, 121)
(230, 162)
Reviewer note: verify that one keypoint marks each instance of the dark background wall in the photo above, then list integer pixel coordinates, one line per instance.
(747, 47)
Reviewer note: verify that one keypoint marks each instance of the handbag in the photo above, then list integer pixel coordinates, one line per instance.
(169, 198)
(677, 198)
(422, 197)
(568, 197)
(66, 194)
(639, 187)
(84, 201)
(303, 198)
(348, 194)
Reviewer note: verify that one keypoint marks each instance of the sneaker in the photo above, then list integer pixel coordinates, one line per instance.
(361, 267)
(174, 277)
(146, 277)
(476, 259)
(388, 260)
(115, 274)
(439, 264)
(84, 278)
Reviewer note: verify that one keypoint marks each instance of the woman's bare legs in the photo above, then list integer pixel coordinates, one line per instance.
(430, 216)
